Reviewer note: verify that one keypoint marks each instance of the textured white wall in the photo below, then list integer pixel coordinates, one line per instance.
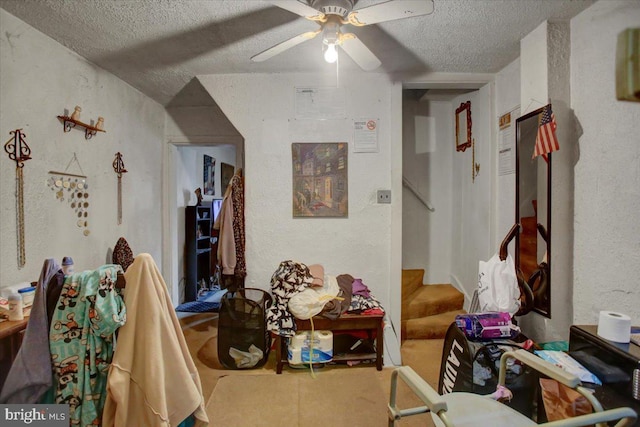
(472, 200)
(562, 185)
(607, 170)
(261, 107)
(507, 99)
(545, 77)
(39, 79)
(534, 70)
(426, 236)
(198, 121)
(194, 170)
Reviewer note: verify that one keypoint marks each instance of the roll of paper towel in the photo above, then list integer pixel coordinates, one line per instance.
(614, 326)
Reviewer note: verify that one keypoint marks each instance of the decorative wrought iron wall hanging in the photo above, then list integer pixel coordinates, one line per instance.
(18, 151)
(475, 167)
(118, 167)
(76, 190)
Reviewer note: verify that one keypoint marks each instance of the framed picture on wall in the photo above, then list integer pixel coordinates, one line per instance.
(320, 185)
(463, 126)
(209, 175)
(226, 173)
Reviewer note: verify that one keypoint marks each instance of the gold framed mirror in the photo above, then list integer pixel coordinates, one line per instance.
(533, 212)
(463, 126)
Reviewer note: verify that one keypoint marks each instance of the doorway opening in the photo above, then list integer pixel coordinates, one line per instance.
(203, 150)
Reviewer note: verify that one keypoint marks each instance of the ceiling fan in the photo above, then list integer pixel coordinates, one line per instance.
(331, 15)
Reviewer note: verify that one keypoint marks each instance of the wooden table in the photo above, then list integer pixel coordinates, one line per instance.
(356, 322)
(11, 333)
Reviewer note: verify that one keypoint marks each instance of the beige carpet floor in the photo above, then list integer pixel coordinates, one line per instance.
(334, 397)
(353, 393)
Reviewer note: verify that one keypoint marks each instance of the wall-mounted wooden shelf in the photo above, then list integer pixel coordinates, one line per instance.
(69, 123)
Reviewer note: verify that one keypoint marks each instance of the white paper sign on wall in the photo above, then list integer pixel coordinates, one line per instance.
(365, 136)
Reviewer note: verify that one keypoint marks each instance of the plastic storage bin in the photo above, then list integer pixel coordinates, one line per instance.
(27, 295)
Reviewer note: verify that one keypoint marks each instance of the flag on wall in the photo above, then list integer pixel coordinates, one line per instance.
(546, 140)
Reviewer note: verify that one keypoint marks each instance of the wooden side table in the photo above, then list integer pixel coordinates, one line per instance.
(369, 323)
(10, 339)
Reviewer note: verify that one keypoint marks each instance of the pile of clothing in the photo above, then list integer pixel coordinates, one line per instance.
(68, 354)
(301, 291)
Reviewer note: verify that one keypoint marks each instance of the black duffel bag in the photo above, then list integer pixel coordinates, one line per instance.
(462, 358)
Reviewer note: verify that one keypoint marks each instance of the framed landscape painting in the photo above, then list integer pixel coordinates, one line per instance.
(320, 179)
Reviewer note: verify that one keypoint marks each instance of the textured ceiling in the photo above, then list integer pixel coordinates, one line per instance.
(158, 46)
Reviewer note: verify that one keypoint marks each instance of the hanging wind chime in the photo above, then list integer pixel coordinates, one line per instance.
(76, 188)
(19, 152)
(118, 167)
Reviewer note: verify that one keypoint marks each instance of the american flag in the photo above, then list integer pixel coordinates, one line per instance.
(546, 140)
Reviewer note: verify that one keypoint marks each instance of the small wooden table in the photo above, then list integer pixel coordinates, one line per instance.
(11, 333)
(369, 323)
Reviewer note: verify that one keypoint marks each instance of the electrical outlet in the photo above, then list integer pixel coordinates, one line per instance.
(384, 196)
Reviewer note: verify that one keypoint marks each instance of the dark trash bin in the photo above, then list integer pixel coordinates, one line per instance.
(243, 339)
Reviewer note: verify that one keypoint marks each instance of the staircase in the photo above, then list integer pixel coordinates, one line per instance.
(427, 310)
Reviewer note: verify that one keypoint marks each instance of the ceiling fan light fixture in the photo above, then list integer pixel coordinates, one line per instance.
(330, 38)
(331, 15)
(330, 53)
(331, 32)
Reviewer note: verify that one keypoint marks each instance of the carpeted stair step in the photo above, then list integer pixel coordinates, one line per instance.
(411, 282)
(431, 327)
(433, 299)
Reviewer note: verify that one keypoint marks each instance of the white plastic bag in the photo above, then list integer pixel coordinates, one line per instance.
(246, 359)
(309, 302)
(498, 285)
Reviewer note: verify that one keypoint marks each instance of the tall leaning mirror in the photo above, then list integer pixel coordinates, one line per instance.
(533, 212)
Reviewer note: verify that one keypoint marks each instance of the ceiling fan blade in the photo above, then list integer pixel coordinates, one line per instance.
(287, 44)
(390, 11)
(298, 8)
(359, 52)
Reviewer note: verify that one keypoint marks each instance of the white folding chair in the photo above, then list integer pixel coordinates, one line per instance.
(461, 409)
